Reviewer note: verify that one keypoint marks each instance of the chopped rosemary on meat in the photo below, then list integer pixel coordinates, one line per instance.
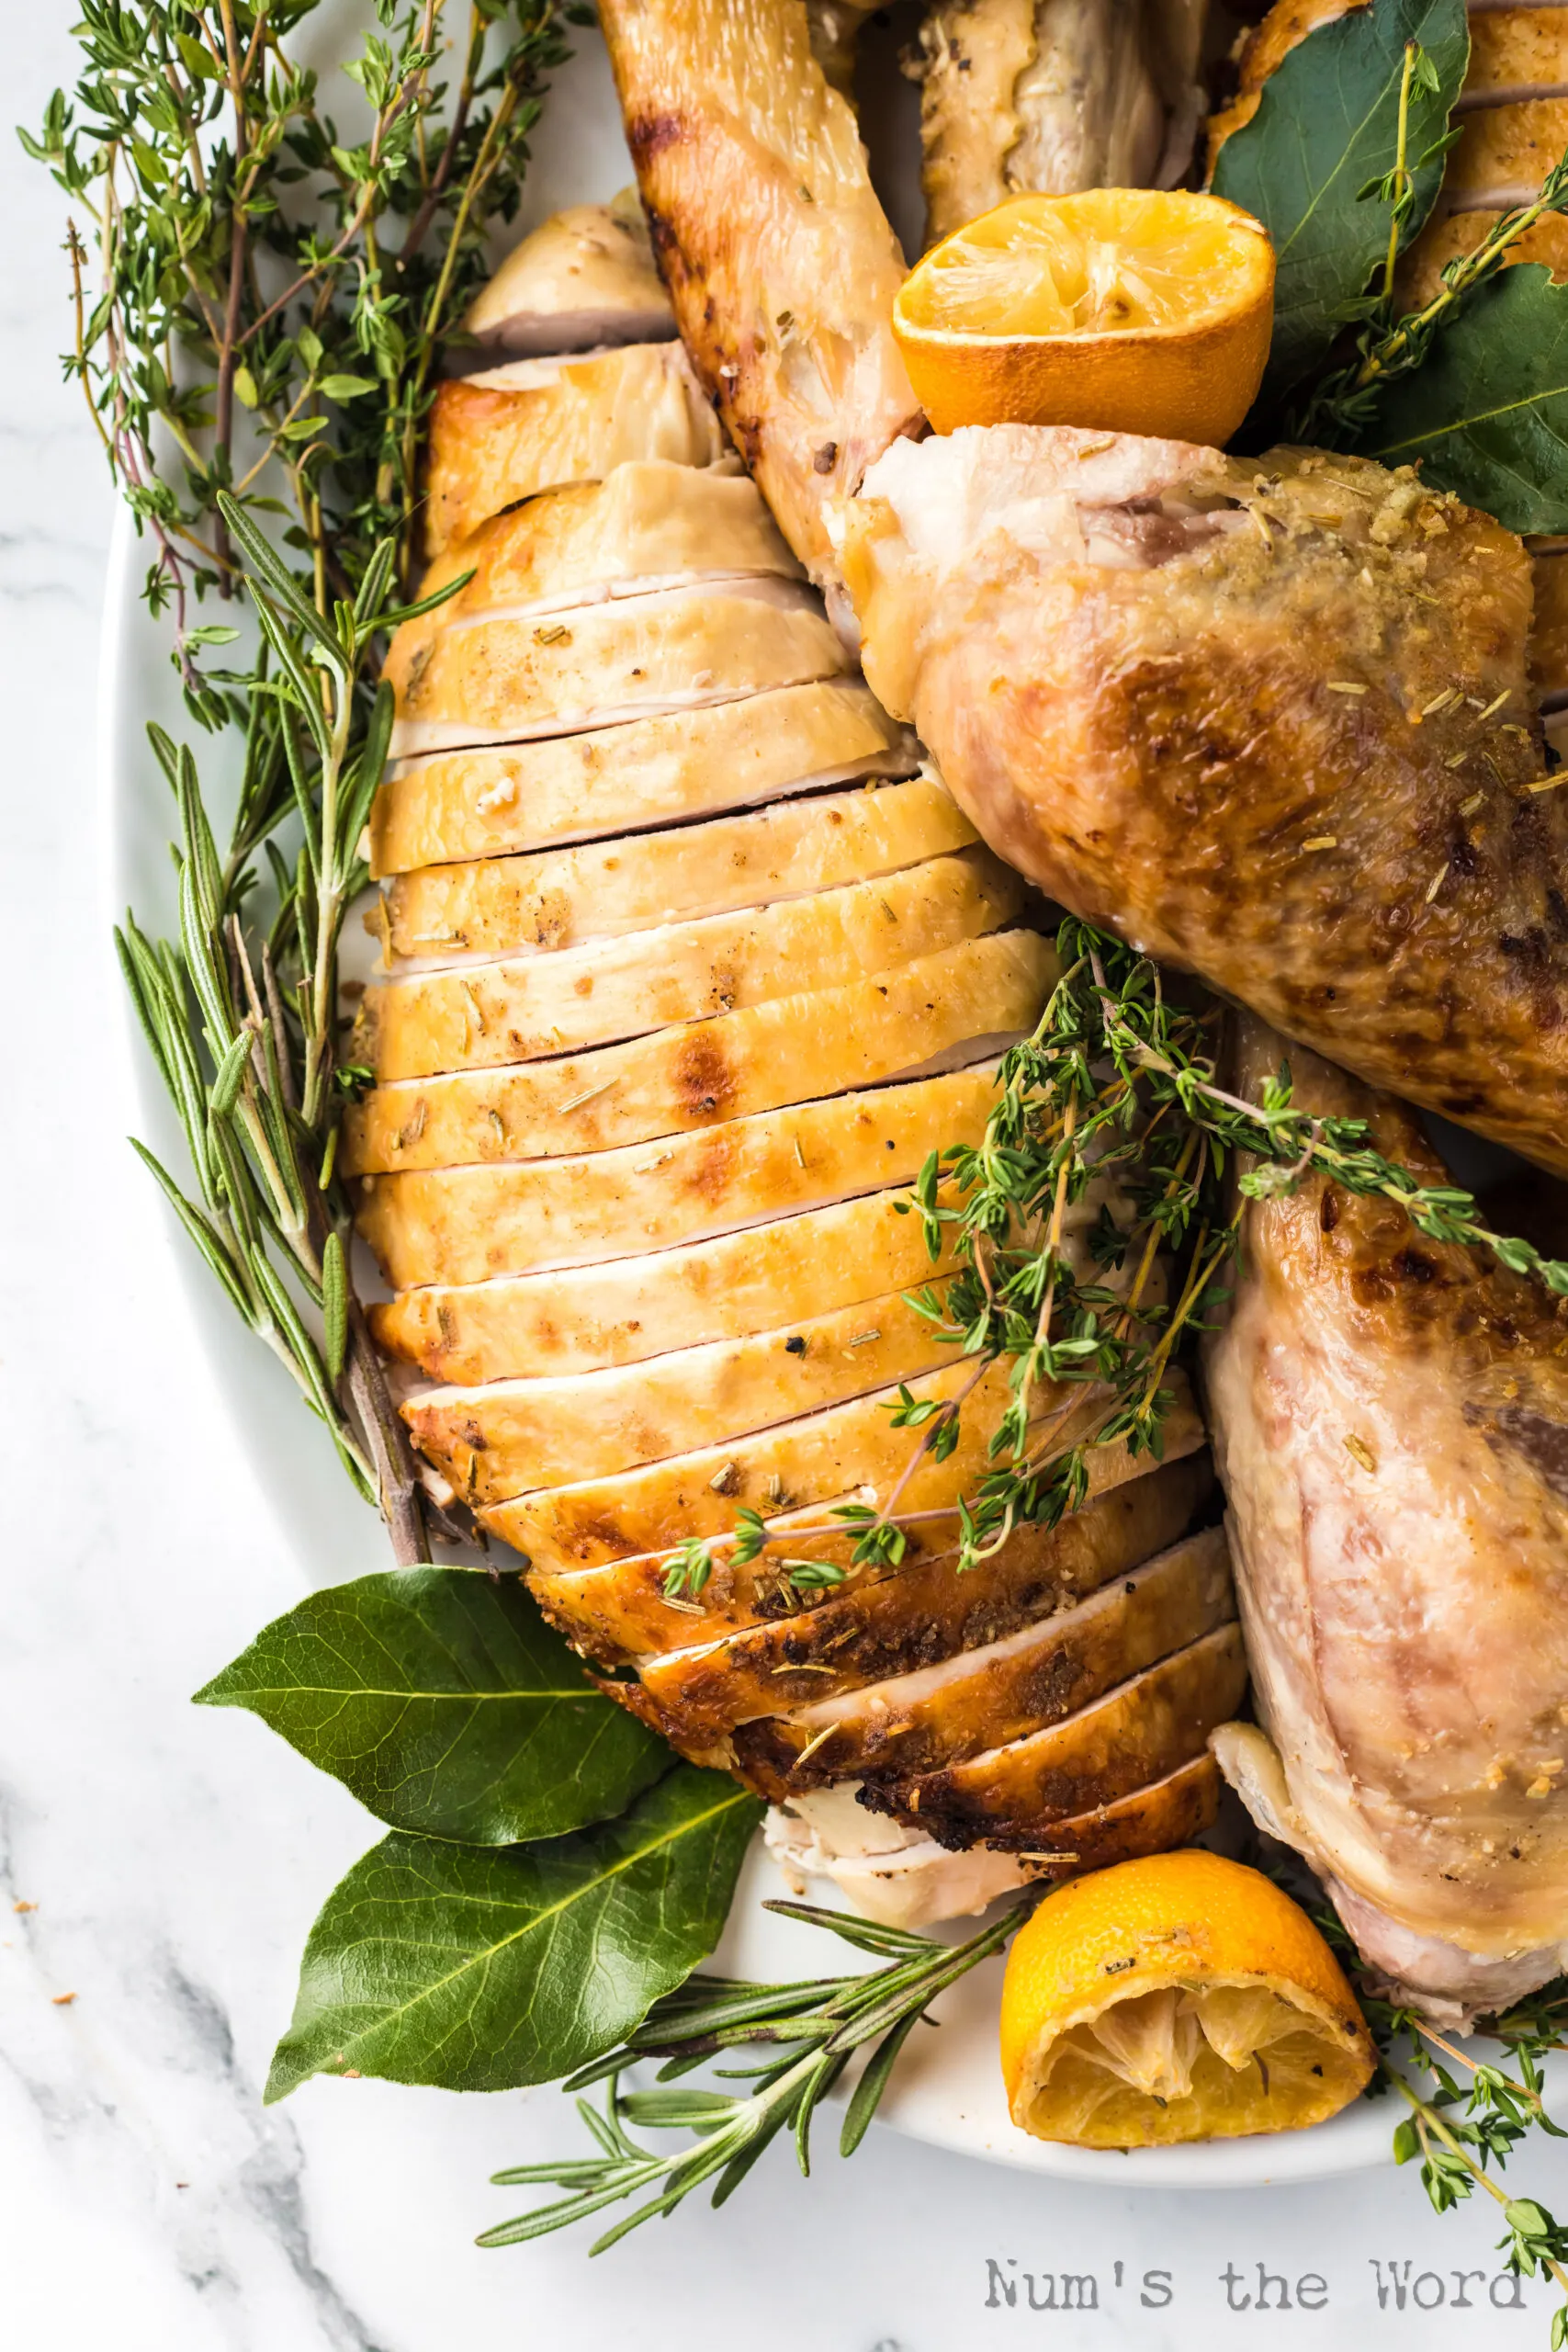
(1116, 1089)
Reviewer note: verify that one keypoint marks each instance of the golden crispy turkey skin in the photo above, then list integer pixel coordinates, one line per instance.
(779, 259)
(1272, 720)
(1391, 1423)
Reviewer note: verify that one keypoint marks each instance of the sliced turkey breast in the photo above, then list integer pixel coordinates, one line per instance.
(583, 279)
(779, 260)
(481, 1015)
(1505, 153)
(1135, 1733)
(622, 1313)
(905, 1880)
(510, 432)
(509, 1437)
(886, 1636)
(650, 771)
(944, 1715)
(463, 1225)
(599, 665)
(887, 1633)
(846, 1449)
(647, 525)
(1513, 99)
(560, 898)
(885, 1619)
(959, 1005)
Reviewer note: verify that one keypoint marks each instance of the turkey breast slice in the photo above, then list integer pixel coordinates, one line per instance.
(883, 1619)
(512, 1436)
(1134, 1734)
(592, 1316)
(781, 265)
(532, 425)
(463, 1225)
(852, 1447)
(1505, 153)
(914, 1882)
(881, 1632)
(650, 771)
(946, 1714)
(645, 526)
(480, 1016)
(599, 665)
(585, 277)
(935, 1013)
(560, 898)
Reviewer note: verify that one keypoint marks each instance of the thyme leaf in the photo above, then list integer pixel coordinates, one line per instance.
(1113, 1105)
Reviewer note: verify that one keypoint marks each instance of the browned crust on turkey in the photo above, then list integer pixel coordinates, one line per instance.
(492, 445)
(925, 1722)
(466, 1224)
(618, 1612)
(776, 254)
(879, 1633)
(509, 1437)
(584, 1317)
(1135, 1733)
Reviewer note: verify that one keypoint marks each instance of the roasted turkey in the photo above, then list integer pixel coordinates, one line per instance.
(1272, 720)
(688, 965)
(778, 257)
(1053, 96)
(1391, 1422)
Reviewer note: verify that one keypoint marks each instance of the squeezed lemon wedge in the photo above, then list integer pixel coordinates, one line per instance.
(1176, 1997)
(1126, 310)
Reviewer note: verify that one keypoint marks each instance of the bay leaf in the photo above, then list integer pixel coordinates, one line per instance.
(442, 1699)
(1486, 413)
(481, 1968)
(1328, 123)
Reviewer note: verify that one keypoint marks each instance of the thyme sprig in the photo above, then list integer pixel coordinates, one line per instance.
(809, 2032)
(1342, 404)
(1113, 1103)
(271, 291)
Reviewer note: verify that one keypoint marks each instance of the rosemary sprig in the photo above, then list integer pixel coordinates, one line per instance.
(1116, 1090)
(810, 2032)
(248, 1057)
(258, 353)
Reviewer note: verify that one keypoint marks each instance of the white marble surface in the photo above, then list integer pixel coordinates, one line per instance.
(176, 1858)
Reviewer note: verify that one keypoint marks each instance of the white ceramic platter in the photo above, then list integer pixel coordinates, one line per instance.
(948, 2088)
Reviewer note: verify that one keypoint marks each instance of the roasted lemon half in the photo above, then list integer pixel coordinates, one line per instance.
(1128, 310)
(1176, 1997)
